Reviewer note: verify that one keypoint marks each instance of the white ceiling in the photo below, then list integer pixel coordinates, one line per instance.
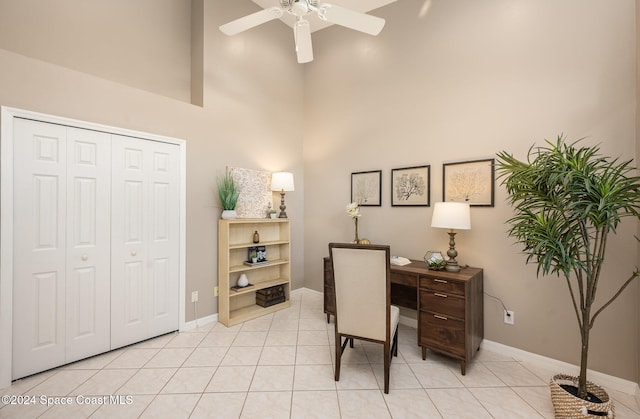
(317, 24)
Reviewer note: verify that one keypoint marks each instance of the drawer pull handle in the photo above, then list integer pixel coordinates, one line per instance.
(442, 281)
(440, 317)
(437, 294)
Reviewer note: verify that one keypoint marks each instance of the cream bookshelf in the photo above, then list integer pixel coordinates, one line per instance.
(235, 237)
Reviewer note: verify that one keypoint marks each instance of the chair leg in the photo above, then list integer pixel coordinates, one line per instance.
(338, 345)
(395, 343)
(387, 364)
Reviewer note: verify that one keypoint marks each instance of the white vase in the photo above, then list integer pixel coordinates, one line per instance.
(243, 281)
(229, 214)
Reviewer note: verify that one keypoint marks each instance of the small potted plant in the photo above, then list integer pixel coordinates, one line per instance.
(254, 257)
(566, 201)
(273, 213)
(228, 191)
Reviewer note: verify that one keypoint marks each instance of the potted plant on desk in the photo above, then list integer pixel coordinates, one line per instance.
(567, 200)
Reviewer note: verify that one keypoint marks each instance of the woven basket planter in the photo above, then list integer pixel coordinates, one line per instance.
(566, 405)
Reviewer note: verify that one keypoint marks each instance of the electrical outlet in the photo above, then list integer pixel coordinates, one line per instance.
(509, 317)
(194, 296)
(216, 291)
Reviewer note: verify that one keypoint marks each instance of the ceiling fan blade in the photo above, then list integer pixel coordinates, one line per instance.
(250, 21)
(302, 34)
(351, 19)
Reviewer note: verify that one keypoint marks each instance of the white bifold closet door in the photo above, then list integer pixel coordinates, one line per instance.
(62, 233)
(96, 243)
(144, 242)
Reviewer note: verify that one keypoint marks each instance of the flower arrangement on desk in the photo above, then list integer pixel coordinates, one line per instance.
(353, 209)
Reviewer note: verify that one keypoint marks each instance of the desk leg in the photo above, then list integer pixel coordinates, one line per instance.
(463, 367)
(328, 318)
(424, 353)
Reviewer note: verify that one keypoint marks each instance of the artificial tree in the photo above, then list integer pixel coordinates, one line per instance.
(567, 200)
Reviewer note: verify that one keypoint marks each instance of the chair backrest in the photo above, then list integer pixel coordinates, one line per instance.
(362, 289)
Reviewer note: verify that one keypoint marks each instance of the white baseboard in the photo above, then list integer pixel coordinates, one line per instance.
(202, 321)
(605, 380)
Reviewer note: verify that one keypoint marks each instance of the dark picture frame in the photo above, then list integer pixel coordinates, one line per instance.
(411, 186)
(366, 188)
(471, 181)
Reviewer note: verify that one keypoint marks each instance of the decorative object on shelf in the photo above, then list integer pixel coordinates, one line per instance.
(282, 182)
(584, 198)
(243, 281)
(228, 192)
(410, 187)
(259, 253)
(366, 188)
(472, 182)
(453, 216)
(256, 237)
(353, 209)
(273, 213)
(256, 194)
(434, 260)
(267, 297)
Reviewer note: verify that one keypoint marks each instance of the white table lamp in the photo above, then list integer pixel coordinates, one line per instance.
(453, 216)
(282, 181)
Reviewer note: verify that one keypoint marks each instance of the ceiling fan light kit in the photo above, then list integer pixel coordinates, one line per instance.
(342, 16)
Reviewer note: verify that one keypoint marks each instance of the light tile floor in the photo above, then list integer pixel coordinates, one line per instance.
(281, 366)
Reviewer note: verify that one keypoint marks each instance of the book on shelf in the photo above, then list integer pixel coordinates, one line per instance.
(264, 262)
(237, 288)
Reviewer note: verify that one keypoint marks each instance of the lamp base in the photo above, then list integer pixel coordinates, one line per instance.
(452, 266)
(283, 207)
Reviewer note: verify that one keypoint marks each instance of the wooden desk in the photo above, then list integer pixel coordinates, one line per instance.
(450, 306)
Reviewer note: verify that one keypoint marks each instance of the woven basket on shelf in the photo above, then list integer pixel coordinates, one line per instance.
(566, 405)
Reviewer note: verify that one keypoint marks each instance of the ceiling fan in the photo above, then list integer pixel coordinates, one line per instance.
(331, 13)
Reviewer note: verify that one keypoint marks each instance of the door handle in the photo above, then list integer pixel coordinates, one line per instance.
(84, 257)
(133, 253)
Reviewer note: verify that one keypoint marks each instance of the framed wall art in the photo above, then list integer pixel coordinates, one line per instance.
(410, 186)
(469, 181)
(366, 188)
(255, 191)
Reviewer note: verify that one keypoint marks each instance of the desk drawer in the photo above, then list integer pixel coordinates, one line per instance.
(404, 279)
(446, 286)
(441, 303)
(443, 333)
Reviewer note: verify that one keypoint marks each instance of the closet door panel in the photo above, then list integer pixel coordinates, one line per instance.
(39, 247)
(130, 301)
(88, 243)
(145, 239)
(164, 240)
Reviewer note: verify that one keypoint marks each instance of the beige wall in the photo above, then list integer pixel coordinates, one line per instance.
(468, 80)
(252, 114)
(141, 43)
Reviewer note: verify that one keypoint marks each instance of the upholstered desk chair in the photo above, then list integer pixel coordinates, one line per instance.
(363, 300)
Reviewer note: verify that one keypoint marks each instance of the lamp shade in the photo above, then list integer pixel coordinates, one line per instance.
(282, 181)
(453, 215)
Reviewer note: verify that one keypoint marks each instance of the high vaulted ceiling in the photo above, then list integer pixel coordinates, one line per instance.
(317, 24)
